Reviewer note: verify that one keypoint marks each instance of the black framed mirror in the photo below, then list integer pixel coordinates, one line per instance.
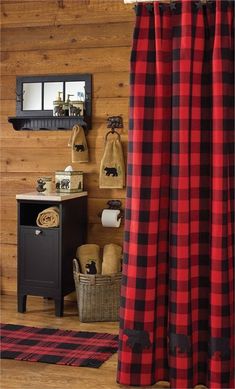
(52, 102)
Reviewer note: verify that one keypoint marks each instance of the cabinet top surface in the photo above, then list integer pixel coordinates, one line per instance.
(53, 196)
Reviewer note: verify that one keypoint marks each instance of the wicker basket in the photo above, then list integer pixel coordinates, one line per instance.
(98, 296)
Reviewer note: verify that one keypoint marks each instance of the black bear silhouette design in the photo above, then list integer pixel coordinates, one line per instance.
(74, 111)
(180, 343)
(219, 347)
(111, 171)
(137, 340)
(40, 186)
(91, 267)
(58, 111)
(79, 147)
(64, 184)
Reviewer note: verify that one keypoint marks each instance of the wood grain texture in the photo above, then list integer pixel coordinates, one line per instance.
(98, 131)
(101, 109)
(68, 37)
(17, 13)
(94, 60)
(104, 85)
(16, 182)
(61, 37)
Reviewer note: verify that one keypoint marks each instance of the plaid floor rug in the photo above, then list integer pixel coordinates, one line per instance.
(56, 346)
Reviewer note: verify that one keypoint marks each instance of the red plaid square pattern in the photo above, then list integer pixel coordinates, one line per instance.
(55, 346)
(177, 290)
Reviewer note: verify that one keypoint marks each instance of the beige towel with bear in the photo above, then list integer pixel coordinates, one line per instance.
(112, 167)
(48, 218)
(78, 144)
(89, 258)
(112, 259)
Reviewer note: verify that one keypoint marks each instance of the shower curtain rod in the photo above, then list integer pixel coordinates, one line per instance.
(152, 1)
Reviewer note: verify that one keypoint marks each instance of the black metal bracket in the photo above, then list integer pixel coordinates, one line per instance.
(114, 122)
(114, 204)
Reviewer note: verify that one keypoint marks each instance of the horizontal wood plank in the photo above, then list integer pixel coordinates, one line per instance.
(104, 235)
(103, 85)
(101, 109)
(15, 183)
(8, 136)
(27, 160)
(67, 37)
(68, 61)
(94, 142)
(58, 139)
(8, 233)
(95, 206)
(95, 60)
(69, 12)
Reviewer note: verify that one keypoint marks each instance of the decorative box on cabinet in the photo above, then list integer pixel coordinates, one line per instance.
(45, 254)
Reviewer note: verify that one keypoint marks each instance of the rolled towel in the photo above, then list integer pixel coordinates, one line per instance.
(112, 259)
(89, 258)
(48, 218)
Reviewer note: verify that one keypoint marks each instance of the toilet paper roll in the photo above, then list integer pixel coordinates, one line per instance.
(109, 218)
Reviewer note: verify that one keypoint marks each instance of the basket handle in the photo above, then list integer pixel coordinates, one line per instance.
(75, 265)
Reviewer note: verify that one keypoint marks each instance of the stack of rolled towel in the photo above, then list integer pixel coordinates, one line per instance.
(90, 259)
(48, 218)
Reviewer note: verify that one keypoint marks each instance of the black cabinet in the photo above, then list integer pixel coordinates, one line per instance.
(45, 254)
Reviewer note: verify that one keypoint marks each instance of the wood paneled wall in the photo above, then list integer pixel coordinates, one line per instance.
(60, 37)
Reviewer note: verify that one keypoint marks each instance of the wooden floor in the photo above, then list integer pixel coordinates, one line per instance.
(30, 375)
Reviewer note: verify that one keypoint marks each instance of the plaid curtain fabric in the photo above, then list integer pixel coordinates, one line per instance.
(176, 316)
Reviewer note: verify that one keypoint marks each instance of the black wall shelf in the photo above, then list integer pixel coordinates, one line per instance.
(38, 90)
(46, 123)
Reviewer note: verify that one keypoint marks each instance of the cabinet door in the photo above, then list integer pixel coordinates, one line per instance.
(39, 257)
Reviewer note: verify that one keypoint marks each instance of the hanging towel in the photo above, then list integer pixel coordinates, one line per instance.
(48, 218)
(78, 144)
(112, 168)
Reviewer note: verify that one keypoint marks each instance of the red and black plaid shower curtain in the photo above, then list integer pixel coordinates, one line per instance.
(177, 293)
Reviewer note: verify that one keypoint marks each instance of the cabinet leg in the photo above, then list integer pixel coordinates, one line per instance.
(22, 303)
(59, 307)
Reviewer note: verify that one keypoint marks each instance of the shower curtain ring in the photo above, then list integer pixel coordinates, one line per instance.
(172, 5)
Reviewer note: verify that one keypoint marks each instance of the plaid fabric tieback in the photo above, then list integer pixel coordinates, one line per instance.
(176, 315)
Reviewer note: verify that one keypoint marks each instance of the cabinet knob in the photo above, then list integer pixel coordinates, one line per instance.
(38, 232)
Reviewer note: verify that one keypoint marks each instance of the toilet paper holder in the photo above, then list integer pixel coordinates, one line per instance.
(114, 204)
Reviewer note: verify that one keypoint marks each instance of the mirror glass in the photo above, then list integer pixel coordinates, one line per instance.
(35, 96)
(32, 96)
(51, 90)
(76, 89)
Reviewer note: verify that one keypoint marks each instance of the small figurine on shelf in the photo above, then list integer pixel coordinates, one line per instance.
(77, 106)
(58, 106)
(66, 105)
(44, 184)
(40, 185)
(74, 111)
